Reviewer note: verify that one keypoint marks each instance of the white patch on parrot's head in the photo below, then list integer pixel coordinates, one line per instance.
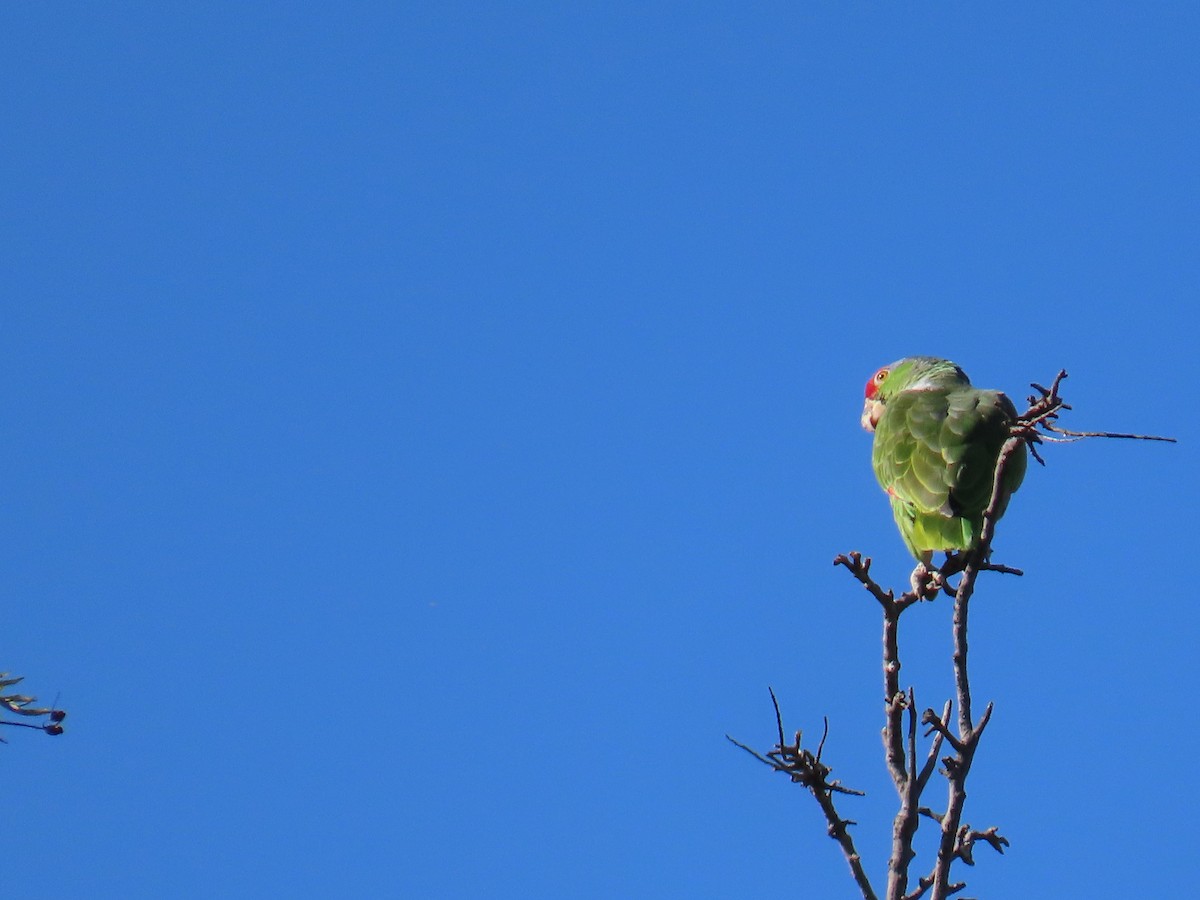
(925, 383)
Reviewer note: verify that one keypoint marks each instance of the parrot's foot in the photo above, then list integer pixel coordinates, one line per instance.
(926, 581)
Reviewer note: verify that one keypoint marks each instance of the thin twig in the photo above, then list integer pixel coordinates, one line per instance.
(934, 749)
(860, 568)
(996, 567)
(803, 767)
(1109, 434)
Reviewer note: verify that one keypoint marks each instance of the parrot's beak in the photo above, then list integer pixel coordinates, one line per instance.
(872, 410)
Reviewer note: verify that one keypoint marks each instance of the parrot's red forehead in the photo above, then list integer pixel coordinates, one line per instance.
(875, 382)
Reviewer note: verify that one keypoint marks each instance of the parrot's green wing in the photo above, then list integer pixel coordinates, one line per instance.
(935, 454)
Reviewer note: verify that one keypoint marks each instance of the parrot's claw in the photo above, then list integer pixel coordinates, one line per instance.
(926, 581)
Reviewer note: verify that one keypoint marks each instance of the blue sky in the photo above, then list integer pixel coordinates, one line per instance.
(428, 427)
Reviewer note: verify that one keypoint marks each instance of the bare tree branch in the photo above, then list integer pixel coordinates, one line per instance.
(803, 767)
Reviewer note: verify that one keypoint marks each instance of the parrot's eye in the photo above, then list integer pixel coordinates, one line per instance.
(876, 380)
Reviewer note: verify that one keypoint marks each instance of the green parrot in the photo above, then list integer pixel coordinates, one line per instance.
(937, 440)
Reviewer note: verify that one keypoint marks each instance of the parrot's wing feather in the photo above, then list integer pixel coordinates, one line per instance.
(935, 453)
(907, 454)
(977, 426)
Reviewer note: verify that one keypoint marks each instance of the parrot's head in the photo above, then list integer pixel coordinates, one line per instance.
(913, 373)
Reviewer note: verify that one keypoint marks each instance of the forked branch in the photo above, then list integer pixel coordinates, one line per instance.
(806, 768)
